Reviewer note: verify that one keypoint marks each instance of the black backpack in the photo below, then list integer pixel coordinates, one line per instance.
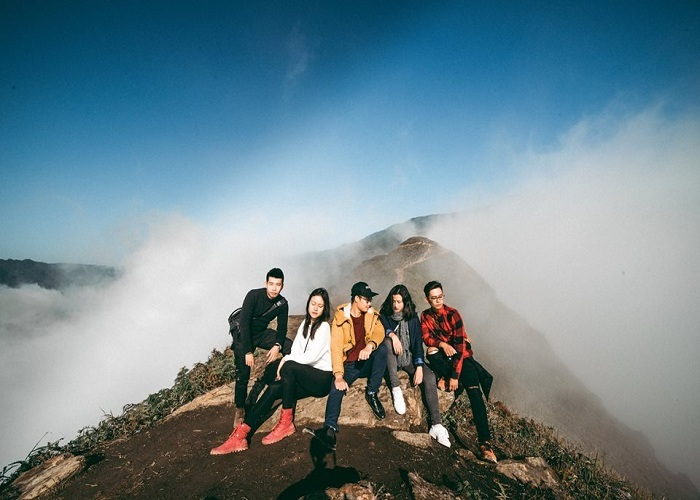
(234, 322)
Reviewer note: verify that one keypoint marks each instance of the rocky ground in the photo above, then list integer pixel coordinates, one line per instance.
(393, 458)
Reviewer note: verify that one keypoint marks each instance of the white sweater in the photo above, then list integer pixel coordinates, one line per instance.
(316, 352)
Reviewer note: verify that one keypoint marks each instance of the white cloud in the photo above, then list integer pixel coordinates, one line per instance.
(597, 247)
(94, 350)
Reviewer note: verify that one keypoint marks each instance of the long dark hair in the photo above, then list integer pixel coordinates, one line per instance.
(409, 308)
(310, 326)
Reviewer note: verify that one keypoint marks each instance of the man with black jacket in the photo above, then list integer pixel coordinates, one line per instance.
(260, 307)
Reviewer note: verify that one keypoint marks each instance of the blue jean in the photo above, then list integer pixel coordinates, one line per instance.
(372, 369)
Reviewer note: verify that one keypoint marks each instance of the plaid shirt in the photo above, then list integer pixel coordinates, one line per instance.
(445, 325)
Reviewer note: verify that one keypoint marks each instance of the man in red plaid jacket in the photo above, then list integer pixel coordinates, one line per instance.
(450, 356)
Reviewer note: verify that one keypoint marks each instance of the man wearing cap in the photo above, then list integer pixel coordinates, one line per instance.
(357, 351)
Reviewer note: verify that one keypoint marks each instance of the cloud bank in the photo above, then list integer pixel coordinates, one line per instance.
(596, 246)
(70, 357)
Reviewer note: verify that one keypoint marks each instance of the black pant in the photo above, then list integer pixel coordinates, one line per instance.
(264, 407)
(265, 340)
(469, 381)
(301, 381)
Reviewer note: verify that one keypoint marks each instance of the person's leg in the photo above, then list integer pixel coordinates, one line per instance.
(373, 369)
(377, 362)
(242, 376)
(391, 363)
(469, 379)
(335, 397)
(430, 393)
(301, 381)
(265, 339)
(264, 407)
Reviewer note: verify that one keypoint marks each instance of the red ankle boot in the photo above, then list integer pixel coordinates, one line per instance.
(237, 441)
(284, 428)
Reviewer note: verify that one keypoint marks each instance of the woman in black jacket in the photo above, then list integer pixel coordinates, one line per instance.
(404, 343)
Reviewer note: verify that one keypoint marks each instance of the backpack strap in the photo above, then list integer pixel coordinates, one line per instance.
(278, 303)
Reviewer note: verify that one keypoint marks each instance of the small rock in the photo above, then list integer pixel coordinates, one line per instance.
(355, 491)
(533, 470)
(222, 395)
(423, 490)
(47, 476)
(419, 440)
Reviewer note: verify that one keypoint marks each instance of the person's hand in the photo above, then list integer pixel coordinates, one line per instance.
(340, 383)
(418, 376)
(279, 369)
(449, 350)
(396, 344)
(272, 354)
(365, 353)
(249, 359)
(454, 383)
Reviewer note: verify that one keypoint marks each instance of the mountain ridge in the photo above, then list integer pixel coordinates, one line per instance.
(15, 273)
(417, 259)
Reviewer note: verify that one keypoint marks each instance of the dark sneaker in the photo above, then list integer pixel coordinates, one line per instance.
(375, 404)
(326, 436)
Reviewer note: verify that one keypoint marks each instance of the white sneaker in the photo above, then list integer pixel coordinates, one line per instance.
(399, 403)
(440, 434)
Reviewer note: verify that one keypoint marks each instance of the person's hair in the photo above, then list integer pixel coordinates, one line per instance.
(275, 272)
(409, 308)
(310, 326)
(431, 285)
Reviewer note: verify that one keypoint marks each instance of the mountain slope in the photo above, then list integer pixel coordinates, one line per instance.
(530, 378)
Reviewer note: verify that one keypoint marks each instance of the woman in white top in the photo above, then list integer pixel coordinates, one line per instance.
(306, 371)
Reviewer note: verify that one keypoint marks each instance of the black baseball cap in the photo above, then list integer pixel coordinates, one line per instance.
(363, 290)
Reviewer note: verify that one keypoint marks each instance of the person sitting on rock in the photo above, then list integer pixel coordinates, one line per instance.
(404, 344)
(357, 351)
(304, 372)
(450, 346)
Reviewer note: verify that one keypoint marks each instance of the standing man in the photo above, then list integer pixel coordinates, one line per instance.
(357, 351)
(260, 307)
(450, 346)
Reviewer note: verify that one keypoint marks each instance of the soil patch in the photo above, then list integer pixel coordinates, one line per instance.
(172, 460)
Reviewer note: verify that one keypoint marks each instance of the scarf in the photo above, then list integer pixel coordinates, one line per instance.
(404, 336)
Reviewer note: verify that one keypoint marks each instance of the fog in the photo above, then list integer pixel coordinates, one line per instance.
(70, 357)
(594, 244)
(597, 248)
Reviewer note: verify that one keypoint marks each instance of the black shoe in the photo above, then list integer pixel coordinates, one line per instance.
(326, 436)
(375, 404)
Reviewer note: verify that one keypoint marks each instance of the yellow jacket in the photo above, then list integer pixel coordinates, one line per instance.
(343, 335)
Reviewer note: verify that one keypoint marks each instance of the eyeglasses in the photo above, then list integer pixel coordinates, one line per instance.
(369, 301)
(436, 298)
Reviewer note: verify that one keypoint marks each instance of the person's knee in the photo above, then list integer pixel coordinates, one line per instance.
(287, 368)
(382, 348)
(432, 350)
(474, 394)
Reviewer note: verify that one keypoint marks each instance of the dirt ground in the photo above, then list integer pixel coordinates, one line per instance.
(172, 460)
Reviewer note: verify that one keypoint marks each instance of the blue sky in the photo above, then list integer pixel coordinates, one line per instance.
(111, 111)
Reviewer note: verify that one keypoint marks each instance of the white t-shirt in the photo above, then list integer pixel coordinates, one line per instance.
(316, 352)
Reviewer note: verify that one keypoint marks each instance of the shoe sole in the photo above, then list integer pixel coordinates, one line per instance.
(212, 452)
